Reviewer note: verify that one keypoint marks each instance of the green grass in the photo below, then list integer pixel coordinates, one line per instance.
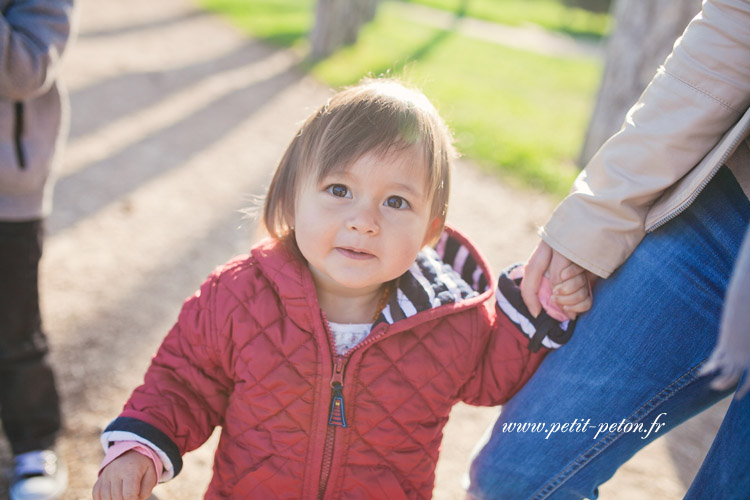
(516, 113)
(549, 14)
(513, 111)
(282, 22)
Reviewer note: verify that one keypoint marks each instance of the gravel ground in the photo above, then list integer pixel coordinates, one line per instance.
(177, 123)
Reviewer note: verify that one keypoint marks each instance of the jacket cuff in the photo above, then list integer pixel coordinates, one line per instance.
(119, 448)
(578, 234)
(542, 331)
(132, 429)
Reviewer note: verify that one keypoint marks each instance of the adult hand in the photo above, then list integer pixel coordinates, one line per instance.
(545, 261)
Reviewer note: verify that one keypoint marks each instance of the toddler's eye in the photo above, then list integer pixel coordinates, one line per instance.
(339, 191)
(397, 202)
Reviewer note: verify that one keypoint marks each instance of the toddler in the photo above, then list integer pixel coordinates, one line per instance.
(332, 355)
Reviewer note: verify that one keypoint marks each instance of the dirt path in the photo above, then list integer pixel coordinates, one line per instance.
(178, 121)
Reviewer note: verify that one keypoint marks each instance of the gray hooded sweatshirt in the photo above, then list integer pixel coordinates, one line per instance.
(33, 107)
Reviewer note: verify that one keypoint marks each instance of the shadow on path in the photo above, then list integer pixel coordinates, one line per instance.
(156, 24)
(108, 101)
(86, 191)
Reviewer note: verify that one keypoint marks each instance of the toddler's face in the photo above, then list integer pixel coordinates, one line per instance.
(364, 226)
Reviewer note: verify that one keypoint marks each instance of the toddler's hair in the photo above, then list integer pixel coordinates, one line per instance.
(381, 116)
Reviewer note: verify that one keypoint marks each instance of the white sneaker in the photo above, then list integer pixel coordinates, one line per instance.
(38, 475)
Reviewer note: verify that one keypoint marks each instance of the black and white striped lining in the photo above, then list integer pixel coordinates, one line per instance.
(443, 275)
(542, 330)
(449, 273)
(459, 257)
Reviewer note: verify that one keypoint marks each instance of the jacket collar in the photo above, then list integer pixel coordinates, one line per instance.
(452, 272)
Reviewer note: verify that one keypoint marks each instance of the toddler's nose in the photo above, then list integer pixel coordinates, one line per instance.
(364, 220)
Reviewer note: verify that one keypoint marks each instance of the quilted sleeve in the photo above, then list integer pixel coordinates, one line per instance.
(505, 364)
(517, 343)
(186, 389)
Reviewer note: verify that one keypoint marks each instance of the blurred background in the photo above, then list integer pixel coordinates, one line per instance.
(181, 109)
(518, 80)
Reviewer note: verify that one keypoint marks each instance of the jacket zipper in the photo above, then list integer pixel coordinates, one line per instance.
(336, 418)
(678, 210)
(18, 135)
(337, 413)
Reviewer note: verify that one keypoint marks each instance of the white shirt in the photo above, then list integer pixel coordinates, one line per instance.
(346, 336)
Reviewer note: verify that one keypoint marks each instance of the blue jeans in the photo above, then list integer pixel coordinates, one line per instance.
(633, 362)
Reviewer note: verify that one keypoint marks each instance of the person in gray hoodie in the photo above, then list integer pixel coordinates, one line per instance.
(33, 128)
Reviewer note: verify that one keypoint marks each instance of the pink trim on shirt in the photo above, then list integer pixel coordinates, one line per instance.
(120, 447)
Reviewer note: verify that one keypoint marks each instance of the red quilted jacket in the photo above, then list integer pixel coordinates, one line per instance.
(251, 352)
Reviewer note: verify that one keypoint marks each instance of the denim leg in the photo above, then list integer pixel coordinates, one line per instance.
(29, 405)
(633, 360)
(725, 473)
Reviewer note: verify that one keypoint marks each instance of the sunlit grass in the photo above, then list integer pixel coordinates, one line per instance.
(517, 113)
(549, 14)
(514, 111)
(282, 22)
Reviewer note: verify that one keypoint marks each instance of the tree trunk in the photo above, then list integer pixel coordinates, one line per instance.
(643, 37)
(337, 23)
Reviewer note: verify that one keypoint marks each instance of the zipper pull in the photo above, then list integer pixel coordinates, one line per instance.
(338, 415)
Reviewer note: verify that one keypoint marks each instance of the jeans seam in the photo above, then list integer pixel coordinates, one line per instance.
(584, 458)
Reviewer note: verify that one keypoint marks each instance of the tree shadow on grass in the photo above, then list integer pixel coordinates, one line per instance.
(397, 67)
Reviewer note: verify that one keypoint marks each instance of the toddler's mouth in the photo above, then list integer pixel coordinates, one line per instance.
(355, 253)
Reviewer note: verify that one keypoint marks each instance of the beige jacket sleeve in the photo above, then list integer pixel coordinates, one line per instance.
(700, 92)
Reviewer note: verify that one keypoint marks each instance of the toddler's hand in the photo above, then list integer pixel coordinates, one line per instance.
(573, 293)
(130, 476)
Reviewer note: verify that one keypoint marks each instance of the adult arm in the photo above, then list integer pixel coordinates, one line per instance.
(33, 37)
(702, 89)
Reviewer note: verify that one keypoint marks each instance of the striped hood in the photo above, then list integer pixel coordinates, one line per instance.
(450, 272)
(454, 271)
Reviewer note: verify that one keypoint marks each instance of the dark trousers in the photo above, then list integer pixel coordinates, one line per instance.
(29, 403)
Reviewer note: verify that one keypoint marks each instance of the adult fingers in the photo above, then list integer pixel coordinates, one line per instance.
(570, 271)
(573, 297)
(580, 307)
(570, 285)
(532, 278)
(573, 282)
(556, 265)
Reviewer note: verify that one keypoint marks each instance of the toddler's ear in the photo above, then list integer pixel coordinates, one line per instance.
(289, 218)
